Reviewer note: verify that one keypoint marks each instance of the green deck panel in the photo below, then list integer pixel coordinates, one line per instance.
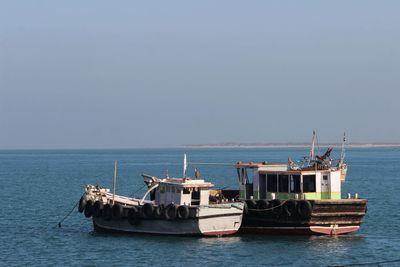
(313, 195)
(256, 195)
(279, 195)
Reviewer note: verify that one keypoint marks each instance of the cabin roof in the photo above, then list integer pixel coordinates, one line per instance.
(280, 168)
(186, 182)
(295, 171)
(257, 165)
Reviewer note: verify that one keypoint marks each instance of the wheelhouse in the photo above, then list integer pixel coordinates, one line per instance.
(270, 181)
(180, 191)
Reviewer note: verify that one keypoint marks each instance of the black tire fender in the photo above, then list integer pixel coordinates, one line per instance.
(97, 209)
(252, 204)
(183, 212)
(291, 208)
(117, 211)
(304, 209)
(107, 212)
(276, 206)
(133, 216)
(170, 212)
(82, 204)
(159, 211)
(262, 204)
(245, 208)
(89, 209)
(147, 210)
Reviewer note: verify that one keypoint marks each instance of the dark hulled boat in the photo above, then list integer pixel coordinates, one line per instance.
(295, 198)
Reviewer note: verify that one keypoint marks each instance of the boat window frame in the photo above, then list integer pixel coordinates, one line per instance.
(281, 183)
(276, 182)
(313, 182)
(293, 185)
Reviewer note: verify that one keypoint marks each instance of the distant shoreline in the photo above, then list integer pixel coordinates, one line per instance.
(289, 145)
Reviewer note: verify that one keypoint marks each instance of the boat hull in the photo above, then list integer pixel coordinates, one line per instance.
(300, 230)
(327, 217)
(209, 221)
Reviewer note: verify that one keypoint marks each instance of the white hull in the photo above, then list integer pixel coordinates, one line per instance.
(215, 220)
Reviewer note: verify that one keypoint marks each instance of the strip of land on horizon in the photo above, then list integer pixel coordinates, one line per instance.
(288, 145)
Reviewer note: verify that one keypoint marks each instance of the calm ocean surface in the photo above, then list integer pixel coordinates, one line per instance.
(40, 187)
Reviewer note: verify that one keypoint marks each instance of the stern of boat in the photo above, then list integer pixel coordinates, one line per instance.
(220, 219)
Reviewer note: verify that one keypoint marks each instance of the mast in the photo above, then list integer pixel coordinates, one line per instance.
(312, 150)
(184, 165)
(115, 180)
(342, 154)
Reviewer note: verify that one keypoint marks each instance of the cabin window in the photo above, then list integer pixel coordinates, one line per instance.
(272, 183)
(196, 197)
(186, 191)
(262, 186)
(309, 183)
(283, 183)
(162, 188)
(295, 184)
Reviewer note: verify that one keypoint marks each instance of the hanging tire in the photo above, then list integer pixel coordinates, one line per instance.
(304, 209)
(107, 212)
(182, 212)
(133, 216)
(117, 211)
(147, 211)
(170, 212)
(89, 209)
(159, 211)
(82, 204)
(262, 204)
(245, 208)
(251, 204)
(276, 207)
(97, 209)
(290, 208)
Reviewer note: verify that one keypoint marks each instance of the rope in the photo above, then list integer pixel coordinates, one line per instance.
(207, 163)
(133, 194)
(269, 208)
(66, 216)
(367, 263)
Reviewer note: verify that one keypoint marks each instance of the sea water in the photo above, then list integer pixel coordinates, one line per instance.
(39, 188)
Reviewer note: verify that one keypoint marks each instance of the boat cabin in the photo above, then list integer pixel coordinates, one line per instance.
(281, 181)
(182, 191)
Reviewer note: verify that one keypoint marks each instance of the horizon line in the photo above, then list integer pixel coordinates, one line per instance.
(229, 145)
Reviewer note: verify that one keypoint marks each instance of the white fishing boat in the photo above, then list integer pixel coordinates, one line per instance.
(176, 206)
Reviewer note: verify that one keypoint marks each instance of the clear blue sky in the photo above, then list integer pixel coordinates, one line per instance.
(116, 74)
